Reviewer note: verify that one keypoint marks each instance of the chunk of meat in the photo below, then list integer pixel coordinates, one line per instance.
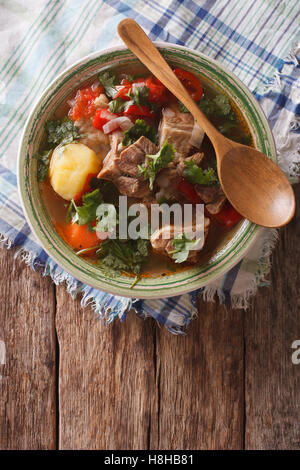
(134, 155)
(121, 167)
(167, 181)
(93, 138)
(162, 241)
(212, 196)
(180, 130)
(197, 157)
(132, 187)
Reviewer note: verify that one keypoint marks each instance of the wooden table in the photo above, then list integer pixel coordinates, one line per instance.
(70, 382)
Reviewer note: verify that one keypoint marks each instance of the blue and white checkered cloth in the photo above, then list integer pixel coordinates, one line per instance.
(257, 39)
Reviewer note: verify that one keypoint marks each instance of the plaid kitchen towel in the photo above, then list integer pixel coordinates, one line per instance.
(257, 39)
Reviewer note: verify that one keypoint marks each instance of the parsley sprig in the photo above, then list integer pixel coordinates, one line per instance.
(182, 246)
(59, 132)
(123, 255)
(196, 175)
(139, 128)
(156, 162)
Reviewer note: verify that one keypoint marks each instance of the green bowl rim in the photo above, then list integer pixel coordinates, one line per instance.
(121, 285)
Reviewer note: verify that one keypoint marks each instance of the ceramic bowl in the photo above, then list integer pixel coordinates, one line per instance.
(225, 255)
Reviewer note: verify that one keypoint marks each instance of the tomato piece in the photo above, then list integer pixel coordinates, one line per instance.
(191, 83)
(228, 216)
(79, 237)
(189, 192)
(86, 188)
(123, 92)
(135, 110)
(157, 91)
(84, 102)
(101, 117)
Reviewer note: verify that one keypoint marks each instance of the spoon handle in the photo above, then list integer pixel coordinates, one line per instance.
(139, 43)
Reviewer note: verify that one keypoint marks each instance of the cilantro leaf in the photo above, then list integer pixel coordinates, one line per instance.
(43, 164)
(123, 255)
(86, 213)
(109, 192)
(109, 81)
(156, 162)
(182, 247)
(140, 95)
(182, 108)
(61, 132)
(196, 175)
(137, 130)
(219, 106)
(117, 106)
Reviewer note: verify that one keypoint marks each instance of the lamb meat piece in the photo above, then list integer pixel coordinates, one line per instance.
(180, 130)
(134, 155)
(212, 196)
(197, 157)
(93, 138)
(164, 246)
(132, 187)
(121, 166)
(167, 181)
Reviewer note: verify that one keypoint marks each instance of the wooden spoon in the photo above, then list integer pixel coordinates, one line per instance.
(254, 185)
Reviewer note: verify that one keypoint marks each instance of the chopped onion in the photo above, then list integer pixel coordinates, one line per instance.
(168, 112)
(72, 102)
(108, 115)
(123, 122)
(138, 85)
(197, 136)
(95, 85)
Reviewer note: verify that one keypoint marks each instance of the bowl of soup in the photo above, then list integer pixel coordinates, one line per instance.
(107, 148)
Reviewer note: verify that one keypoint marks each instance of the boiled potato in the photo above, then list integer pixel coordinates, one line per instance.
(69, 168)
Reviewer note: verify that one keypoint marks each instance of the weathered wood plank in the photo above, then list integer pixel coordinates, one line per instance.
(27, 385)
(106, 380)
(201, 383)
(272, 380)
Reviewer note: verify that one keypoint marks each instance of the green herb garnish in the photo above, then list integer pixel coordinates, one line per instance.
(182, 247)
(219, 106)
(196, 175)
(43, 164)
(109, 81)
(139, 128)
(86, 213)
(140, 95)
(117, 105)
(123, 255)
(156, 162)
(59, 132)
(182, 108)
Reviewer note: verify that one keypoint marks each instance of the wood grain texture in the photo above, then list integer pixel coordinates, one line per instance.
(27, 385)
(272, 380)
(107, 394)
(201, 383)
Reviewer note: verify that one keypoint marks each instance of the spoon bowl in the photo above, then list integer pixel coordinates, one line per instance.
(253, 184)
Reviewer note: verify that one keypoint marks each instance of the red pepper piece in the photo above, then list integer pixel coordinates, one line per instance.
(191, 83)
(228, 216)
(135, 110)
(188, 190)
